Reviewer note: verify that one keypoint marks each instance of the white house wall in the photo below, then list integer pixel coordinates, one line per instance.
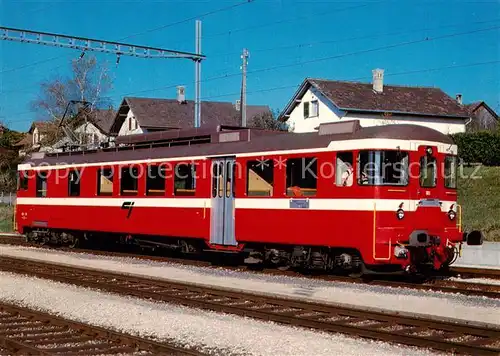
(330, 113)
(326, 113)
(90, 129)
(124, 130)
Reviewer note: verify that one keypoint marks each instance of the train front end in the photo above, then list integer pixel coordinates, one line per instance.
(421, 230)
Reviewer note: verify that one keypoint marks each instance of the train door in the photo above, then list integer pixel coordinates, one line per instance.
(222, 210)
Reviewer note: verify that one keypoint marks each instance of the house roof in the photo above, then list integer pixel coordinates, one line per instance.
(103, 120)
(27, 140)
(403, 100)
(170, 114)
(42, 126)
(472, 107)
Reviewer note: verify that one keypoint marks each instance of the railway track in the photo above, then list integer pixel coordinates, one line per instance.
(436, 285)
(451, 336)
(27, 332)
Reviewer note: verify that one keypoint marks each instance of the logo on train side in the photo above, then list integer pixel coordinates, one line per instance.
(128, 205)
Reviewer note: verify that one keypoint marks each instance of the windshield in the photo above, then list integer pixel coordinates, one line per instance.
(383, 168)
(450, 172)
(428, 175)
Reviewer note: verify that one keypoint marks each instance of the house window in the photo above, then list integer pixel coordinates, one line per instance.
(74, 183)
(135, 124)
(185, 179)
(23, 180)
(129, 177)
(301, 176)
(105, 181)
(155, 181)
(41, 184)
(259, 178)
(344, 172)
(306, 110)
(314, 108)
(130, 124)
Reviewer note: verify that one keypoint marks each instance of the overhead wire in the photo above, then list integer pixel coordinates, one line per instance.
(400, 44)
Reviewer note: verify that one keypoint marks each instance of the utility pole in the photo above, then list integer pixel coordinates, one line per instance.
(243, 104)
(197, 76)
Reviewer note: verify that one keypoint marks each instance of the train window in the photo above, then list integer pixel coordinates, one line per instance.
(301, 176)
(22, 181)
(450, 172)
(155, 181)
(105, 181)
(41, 184)
(383, 167)
(260, 178)
(344, 173)
(185, 179)
(428, 176)
(229, 179)
(74, 183)
(129, 177)
(215, 177)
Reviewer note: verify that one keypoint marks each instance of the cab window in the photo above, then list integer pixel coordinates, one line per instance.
(428, 174)
(450, 172)
(22, 181)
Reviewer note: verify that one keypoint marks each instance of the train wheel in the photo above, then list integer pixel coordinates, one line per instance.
(74, 242)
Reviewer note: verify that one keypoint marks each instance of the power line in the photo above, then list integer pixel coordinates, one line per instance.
(189, 19)
(134, 35)
(286, 20)
(375, 49)
(310, 44)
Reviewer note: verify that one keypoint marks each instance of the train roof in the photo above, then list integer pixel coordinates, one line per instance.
(228, 141)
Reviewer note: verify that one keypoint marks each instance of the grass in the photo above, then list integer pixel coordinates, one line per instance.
(479, 195)
(6, 213)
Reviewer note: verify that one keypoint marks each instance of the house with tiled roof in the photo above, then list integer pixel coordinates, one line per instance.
(92, 132)
(320, 101)
(143, 115)
(483, 117)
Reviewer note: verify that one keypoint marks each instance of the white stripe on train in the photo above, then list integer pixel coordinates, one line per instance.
(241, 203)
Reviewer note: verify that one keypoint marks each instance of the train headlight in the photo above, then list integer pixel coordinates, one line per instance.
(452, 214)
(400, 214)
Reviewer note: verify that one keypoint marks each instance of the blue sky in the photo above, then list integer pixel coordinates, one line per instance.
(288, 41)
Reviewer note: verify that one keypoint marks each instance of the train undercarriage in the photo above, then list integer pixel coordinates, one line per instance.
(344, 261)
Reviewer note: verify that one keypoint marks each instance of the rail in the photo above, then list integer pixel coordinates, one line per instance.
(28, 332)
(451, 336)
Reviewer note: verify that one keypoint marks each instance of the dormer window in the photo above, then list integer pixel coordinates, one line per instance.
(314, 108)
(306, 110)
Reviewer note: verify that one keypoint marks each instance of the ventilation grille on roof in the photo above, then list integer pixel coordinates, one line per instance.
(339, 127)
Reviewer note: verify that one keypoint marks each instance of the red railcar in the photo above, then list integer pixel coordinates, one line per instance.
(343, 198)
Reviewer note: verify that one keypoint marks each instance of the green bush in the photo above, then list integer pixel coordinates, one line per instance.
(479, 147)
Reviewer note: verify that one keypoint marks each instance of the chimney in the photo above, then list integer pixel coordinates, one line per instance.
(459, 99)
(378, 80)
(237, 105)
(181, 94)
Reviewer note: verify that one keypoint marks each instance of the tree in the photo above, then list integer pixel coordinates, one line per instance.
(268, 121)
(9, 158)
(89, 81)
